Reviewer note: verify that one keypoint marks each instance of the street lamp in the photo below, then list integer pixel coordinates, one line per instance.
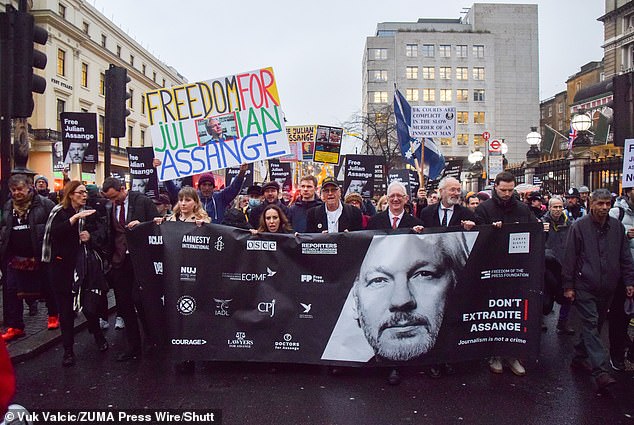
(475, 158)
(533, 139)
(581, 123)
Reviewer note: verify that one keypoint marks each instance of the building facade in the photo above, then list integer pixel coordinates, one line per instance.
(618, 29)
(82, 44)
(485, 64)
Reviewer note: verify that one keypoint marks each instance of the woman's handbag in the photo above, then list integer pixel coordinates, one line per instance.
(90, 284)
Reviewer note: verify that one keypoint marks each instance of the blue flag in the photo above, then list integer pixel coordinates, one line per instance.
(410, 146)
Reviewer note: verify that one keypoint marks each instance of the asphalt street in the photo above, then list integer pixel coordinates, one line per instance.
(255, 393)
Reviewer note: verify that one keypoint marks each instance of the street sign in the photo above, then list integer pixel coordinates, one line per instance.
(486, 135)
(495, 145)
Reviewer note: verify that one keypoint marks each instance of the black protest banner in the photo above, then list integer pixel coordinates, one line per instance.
(142, 173)
(363, 173)
(231, 173)
(453, 169)
(408, 177)
(281, 173)
(330, 298)
(79, 137)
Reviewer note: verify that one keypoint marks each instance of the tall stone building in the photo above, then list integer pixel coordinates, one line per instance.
(484, 63)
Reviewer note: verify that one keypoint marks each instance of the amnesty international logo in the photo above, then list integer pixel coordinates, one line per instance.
(219, 245)
(186, 305)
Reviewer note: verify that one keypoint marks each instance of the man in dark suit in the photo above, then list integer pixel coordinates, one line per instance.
(124, 211)
(333, 215)
(448, 211)
(395, 216)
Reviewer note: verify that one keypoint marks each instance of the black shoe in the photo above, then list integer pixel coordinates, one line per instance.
(68, 360)
(394, 378)
(102, 344)
(185, 368)
(128, 356)
(435, 372)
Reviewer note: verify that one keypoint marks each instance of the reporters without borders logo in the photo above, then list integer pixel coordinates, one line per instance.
(319, 248)
(255, 245)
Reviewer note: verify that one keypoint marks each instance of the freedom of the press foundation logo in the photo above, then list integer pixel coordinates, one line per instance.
(240, 341)
(254, 245)
(186, 305)
(249, 277)
(319, 248)
(287, 343)
(503, 274)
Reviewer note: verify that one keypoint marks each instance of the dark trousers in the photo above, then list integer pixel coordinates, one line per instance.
(592, 310)
(128, 303)
(47, 291)
(12, 305)
(61, 276)
(618, 322)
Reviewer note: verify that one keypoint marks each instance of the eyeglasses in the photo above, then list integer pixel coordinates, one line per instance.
(81, 192)
(330, 190)
(396, 196)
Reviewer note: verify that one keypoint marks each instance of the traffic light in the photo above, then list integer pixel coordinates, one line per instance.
(116, 97)
(25, 58)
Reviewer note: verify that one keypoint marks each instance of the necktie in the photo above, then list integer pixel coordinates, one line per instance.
(394, 222)
(121, 213)
(444, 218)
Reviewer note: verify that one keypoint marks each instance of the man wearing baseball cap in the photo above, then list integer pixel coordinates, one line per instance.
(271, 191)
(333, 216)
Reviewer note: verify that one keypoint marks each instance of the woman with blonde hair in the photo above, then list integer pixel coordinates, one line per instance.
(188, 208)
(382, 204)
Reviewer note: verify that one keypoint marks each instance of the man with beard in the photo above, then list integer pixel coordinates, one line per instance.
(448, 211)
(574, 210)
(504, 207)
(402, 290)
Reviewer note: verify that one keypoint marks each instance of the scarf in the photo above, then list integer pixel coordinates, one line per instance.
(21, 208)
(46, 245)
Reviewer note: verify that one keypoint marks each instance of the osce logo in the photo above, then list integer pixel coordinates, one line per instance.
(155, 240)
(261, 245)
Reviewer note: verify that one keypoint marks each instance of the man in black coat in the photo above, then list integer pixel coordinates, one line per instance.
(333, 215)
(394, 217)
(448, 211)
(271, 191)
(124, 211)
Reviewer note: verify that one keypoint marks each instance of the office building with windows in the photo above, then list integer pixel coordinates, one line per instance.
(484, 63)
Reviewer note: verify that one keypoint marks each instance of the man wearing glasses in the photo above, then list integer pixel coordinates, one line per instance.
(333, 216)
(395, 216)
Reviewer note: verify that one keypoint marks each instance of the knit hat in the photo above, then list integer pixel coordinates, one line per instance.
(38, 178)
(207, 178)
(584, 189)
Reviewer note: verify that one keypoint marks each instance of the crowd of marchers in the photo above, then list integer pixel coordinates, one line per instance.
(70, 248)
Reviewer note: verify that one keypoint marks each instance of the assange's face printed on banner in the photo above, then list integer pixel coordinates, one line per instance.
(76, 152)
(356, 186)
(139, 185)
(402, 289)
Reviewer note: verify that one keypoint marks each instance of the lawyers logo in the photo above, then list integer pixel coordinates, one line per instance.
(287, 343)
(222, 307)
(319, 248)
(155, 240)
(219, 245)
(186, 305)
(256, 245)
(267, 307)
(188, 274)
(311, 278)
(158, 268)
(249, 277)
(305, 311)
(240, 341)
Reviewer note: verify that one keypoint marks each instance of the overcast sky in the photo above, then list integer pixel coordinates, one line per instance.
(316, 48)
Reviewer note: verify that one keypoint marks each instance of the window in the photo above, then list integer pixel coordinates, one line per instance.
(102, 84)
(478, 73)
(142, 137)
(411, 72)
(102, 120)
(543, 114)
(377, 75)
(143, 104)
(478, 140)
(154, 76)
(131, 100)
(478, 95)
(84, 74)
(115, 142)
(130, 135)
(445, 73)
(429, 95)
(560, 126)
(381, 118)
(411, 50)
(132, 60)
(478, 51)
(462, 117)
(411, 95)
(445, 141)
(445, 95)
(378, 97)
(560, 108)
(550, 111)
(86, 27)
(461, 51)
(119, 51)
(428, 50)
(163, 82)
(444, 50)
(478, 117)
(104, 39)
(462, 95)
(462, 139)
(61, 107)
(428, 72)
(62, 10)
(377, 54)
(61, 62)
(143, 68)
(462, 73)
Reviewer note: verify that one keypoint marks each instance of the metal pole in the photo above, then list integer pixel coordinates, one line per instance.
(6, 96)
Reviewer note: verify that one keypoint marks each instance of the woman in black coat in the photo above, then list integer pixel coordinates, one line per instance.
(69, 226)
